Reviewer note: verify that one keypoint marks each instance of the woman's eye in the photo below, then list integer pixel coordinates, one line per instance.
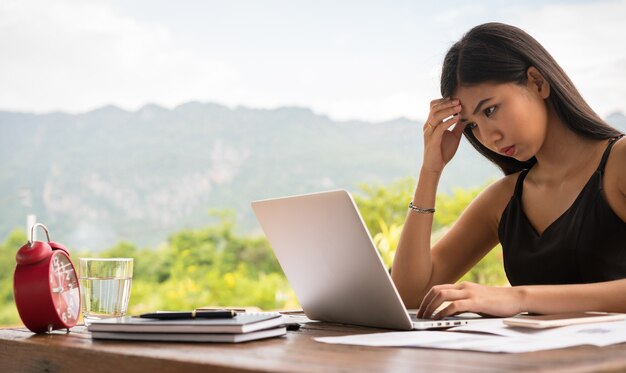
(471, 126)
(489, 111)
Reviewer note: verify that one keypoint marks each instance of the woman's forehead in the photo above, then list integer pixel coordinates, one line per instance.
(475, 91)
(472, 94)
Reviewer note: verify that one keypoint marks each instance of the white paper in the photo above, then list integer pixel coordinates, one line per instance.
(597, 334)
(501, 338)
(497, 327)
(448, 340)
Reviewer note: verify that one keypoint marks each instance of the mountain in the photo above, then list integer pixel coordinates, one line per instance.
(99, 177)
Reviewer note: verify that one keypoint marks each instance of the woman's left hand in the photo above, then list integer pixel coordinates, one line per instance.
(471, 297)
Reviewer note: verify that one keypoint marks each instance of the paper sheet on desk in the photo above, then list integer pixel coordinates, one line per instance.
(449, 340)
(515, 341)
(597, 334)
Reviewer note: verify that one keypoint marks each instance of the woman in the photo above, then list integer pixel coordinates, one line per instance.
(560, 210)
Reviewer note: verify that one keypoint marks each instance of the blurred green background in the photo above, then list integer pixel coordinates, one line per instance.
(214, 266)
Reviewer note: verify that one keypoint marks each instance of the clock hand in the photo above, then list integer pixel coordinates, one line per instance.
(63, 266)
(59, 278)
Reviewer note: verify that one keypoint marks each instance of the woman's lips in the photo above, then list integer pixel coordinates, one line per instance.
(508, 151)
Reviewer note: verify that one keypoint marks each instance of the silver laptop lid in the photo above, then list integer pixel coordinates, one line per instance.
(330, 260)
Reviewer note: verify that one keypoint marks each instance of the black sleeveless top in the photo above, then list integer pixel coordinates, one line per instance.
(585, 244)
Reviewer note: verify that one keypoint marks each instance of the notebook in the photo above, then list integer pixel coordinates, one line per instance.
(332, 264)
(242, 323)
(192, 337)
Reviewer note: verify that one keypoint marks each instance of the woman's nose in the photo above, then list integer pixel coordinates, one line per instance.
(492, 136)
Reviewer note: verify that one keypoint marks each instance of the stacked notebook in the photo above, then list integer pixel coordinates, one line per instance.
(241, 328)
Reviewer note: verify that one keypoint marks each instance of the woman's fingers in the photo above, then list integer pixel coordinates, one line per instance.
(456, 307)
(438, 101)
(442, 115)
(446, 112)
(458, 130)
(434, 104)
(444, 295)
(428, 299)
(470, 297)
(439, 145)
(459, 294)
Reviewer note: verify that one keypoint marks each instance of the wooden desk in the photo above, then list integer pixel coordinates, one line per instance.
(22, 351)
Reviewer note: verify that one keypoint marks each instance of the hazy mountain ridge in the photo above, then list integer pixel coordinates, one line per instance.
(111, 174)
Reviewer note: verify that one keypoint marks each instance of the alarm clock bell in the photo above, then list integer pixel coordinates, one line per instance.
(45, 285)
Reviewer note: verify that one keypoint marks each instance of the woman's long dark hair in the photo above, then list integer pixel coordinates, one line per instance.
(499, 53)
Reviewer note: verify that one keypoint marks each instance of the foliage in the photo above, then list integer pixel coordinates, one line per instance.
(388, 204)
(214, 266)
(384, 208)
(449, 207)
(8, 312)
(206, 267)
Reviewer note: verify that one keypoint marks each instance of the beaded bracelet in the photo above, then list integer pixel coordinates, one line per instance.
(420, 210)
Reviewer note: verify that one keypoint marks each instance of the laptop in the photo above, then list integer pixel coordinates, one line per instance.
(332, 264)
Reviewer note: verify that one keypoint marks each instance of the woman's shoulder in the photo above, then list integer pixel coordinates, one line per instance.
(614, 183)
(618, 155)
(615, 163)
(504, 187)
(620, 148)
(487, 208)
(498, 194)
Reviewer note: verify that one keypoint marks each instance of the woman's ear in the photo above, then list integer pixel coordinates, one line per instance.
(537, 83)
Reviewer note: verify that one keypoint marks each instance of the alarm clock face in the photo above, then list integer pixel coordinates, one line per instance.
(64, 288)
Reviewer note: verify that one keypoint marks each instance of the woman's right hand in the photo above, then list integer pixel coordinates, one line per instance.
(441, 143)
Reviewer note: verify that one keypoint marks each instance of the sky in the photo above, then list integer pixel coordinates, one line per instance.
(366, 60)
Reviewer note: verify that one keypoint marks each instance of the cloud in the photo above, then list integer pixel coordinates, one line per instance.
(77, 55)
(587, 40)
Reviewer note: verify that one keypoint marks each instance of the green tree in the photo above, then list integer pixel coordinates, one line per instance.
(207, 266)
(8, 249)
(384, 203)
(450, 206)
(215, 266)
(384, 210)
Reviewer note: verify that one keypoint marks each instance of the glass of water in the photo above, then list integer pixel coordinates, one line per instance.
(105, 287)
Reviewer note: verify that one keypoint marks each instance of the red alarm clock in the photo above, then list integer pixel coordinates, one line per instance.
(45, 286)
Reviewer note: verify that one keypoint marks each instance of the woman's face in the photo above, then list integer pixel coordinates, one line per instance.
(507, 118)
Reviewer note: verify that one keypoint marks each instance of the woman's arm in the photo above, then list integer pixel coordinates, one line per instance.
(600, 296)
(471, 237)
(416, 268)
(412, 265)
(509, 301)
